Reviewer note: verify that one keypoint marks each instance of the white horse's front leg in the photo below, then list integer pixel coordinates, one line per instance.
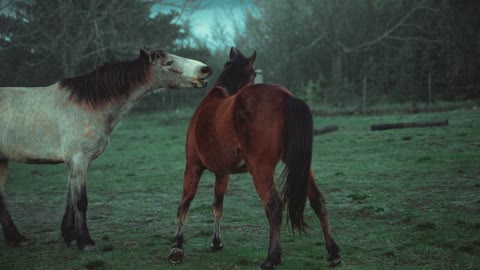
(78, 167)
(9, 229)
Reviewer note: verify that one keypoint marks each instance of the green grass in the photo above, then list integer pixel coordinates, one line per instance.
(397, 199)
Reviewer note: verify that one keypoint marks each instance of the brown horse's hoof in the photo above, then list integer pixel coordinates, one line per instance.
(334, 262)
(216, 245)
(176, 255)
(333, 256)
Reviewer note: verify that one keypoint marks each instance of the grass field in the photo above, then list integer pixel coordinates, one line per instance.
(397, 199)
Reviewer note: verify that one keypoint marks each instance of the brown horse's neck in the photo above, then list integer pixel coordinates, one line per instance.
(226, 85)
(231, 82)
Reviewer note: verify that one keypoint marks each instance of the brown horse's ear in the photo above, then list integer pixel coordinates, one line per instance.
(234, 53)
(252, 58)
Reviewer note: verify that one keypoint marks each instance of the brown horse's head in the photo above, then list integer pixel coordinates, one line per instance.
(237, 72)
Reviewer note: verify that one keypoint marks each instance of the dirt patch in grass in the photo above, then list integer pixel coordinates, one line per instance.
(358, 197)
(425, 226)
(96, 265)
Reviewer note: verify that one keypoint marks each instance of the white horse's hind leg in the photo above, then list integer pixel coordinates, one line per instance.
(68, 222)
(78, 191)
(9, 230)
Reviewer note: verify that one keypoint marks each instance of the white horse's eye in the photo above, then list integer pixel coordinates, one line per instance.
(169, 63)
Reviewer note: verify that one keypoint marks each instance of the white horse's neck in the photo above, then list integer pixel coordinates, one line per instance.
(115, 112)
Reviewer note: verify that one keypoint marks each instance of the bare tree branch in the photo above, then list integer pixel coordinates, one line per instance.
(386, 34)
(303, 48)
(420, 39)
(5, 4)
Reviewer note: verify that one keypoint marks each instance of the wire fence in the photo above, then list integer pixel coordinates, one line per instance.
(351, 97)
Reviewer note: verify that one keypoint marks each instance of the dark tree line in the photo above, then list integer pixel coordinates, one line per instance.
(327, 49)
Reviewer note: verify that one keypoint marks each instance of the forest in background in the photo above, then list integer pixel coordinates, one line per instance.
(332, 47)
(329, 52)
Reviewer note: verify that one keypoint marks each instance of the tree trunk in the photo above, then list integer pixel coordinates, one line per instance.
(325, 129)
(364, 94)
(336, 69)
(409, 125)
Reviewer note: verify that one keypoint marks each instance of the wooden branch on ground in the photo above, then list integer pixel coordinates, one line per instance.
(324, 130)
(410, 125)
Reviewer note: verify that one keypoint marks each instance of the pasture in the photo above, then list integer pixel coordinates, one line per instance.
(397, 199)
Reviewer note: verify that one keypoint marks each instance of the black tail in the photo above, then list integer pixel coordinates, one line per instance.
(297, 155)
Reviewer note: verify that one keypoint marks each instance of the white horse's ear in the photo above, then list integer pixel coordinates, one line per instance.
(159, 55)
(146, 55)
(252, 58)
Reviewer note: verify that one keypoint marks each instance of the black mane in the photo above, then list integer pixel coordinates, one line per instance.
(108, 83)
(236, 73)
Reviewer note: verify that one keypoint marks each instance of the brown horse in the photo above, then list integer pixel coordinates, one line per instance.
(242, 127)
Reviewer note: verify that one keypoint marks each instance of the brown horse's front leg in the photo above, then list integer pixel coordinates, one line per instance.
(176, 253)
(79, 203)
(317, 202)
(190, 186)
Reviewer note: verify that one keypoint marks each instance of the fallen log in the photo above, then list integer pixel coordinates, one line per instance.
(324, 130)
(409, 125)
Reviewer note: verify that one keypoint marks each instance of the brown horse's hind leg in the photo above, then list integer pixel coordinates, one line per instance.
(10, 231)
(190, 185)
(265, 187)
(317, 202)
(221, 182)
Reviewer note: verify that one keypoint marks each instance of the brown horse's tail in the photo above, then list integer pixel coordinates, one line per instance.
(297, 156)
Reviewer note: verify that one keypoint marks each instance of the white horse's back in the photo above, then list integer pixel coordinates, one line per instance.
(29, 124)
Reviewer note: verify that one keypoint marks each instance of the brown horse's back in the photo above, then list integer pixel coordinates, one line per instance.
(259, 121)
(225, 129)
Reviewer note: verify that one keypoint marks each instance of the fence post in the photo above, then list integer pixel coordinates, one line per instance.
(172, 100)
(429, 90)
(364, 94)
(259, 77)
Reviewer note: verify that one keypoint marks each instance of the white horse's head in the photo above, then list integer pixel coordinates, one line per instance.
(171, 71)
